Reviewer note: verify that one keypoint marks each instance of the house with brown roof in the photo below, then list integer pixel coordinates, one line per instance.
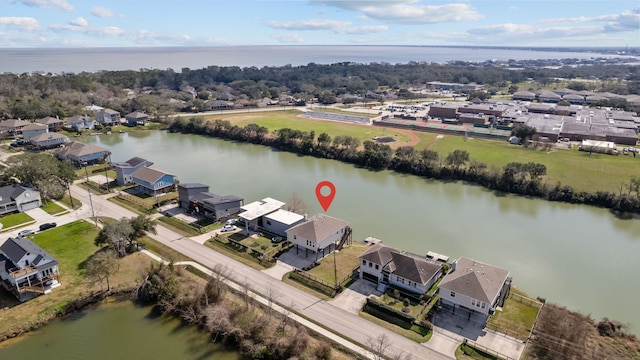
(153, 182)
(13, 126)
(475, 286)
(387, 266)
(54, 124)
(83, 154)
(321, 234)
(26, 270)
(48, 140)
(33, 129)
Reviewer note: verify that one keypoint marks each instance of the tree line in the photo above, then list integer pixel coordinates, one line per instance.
(516, 178)
(160, 92)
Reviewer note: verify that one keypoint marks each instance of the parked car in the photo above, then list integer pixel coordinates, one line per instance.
(24, 233)
(276, 239)
(228, 228)
(232, 221)
(46, 226)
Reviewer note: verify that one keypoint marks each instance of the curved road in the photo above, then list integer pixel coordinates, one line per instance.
(339, 321)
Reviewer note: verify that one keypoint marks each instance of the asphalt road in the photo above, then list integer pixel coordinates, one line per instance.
(339, 321)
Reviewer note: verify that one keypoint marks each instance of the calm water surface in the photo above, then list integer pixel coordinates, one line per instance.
(95, 59)
(578, 256)
(115, 331)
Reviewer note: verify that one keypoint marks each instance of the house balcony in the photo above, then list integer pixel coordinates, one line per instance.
(21, 273)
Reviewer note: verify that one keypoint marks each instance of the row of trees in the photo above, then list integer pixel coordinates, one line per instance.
(517, 178)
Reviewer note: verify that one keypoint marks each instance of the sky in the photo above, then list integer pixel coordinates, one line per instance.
(134, 23)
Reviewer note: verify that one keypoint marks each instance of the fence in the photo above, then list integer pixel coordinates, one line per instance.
(337, 286)
(472, 344)
(525, 300)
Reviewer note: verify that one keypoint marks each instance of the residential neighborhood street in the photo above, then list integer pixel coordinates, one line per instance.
(321, 312)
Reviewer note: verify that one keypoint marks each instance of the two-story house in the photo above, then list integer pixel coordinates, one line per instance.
(81, 122)
(54, 124)
(475, 286)
(137, 118)
(124, 170)
(321, 234)
(108, 117)
(26, 270)
(18, 198)
(153, 182)
(385, 266)
(83, 154)
(196, 197)
(33, 130)
(48, 140)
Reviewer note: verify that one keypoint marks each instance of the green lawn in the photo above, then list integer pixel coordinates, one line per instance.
(222, 245)
(53, 209)
(515, 317)
(16, 219)
(67, 200)
(274, 120)
(414, 310)
(346, 260)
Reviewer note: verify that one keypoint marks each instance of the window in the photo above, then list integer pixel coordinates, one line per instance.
(364, 262)
(483, 305)
(473, 302)
(370, 263)
(477, 303)
(400, 280)
(268, 222)
(295, 237)
(452, 294)
(376, 266)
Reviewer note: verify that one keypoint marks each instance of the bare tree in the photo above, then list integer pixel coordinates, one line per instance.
(379, 346)
(297, 205)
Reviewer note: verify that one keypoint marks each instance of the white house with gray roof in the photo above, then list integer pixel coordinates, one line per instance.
(83, 154)
(321, 234)
(18, 198)
(475, 286)
(385, 265)
(26, 270)
(33, 130)
(48, 140)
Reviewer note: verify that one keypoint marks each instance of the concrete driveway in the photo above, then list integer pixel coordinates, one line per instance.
(460, 325)
(353, 298)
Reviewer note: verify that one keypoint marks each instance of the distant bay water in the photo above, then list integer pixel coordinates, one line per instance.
(56, 60)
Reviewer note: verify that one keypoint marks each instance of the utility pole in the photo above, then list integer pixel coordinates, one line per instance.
(93, 214)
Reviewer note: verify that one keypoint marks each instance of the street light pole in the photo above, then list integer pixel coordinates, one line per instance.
(93, 214)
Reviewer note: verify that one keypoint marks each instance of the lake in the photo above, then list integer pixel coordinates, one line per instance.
(577, 256)
(117, 330)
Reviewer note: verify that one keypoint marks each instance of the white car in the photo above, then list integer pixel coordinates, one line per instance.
(228, 228)
(24, 233)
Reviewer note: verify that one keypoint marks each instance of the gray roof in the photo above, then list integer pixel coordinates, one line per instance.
(318, 228)
(13, 123)
(34, 126)
(136, 115)
(192, 185)
(406, 265)
(47, 136)
(475, 279)
(10, 192)
(49, 120)
(16, 248)
(78, 149)
(215, 199)
(135, 161)
(149, 175)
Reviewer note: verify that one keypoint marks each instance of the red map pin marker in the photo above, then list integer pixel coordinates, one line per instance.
(325, 201)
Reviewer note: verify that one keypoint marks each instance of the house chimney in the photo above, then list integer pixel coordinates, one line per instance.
(453, 265)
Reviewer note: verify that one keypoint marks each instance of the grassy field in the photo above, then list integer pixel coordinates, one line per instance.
(595, 172)
(274, 120)
(71, 245)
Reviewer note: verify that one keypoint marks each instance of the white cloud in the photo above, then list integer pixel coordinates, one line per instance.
(288, 38)
(59, 4)
(79, 22)
(147, 37)
(336, 26)
(406, 11)
(105, 31)
(20, 23)
(20, 40)
(103, 12)
(625, 21)
(312, 24)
